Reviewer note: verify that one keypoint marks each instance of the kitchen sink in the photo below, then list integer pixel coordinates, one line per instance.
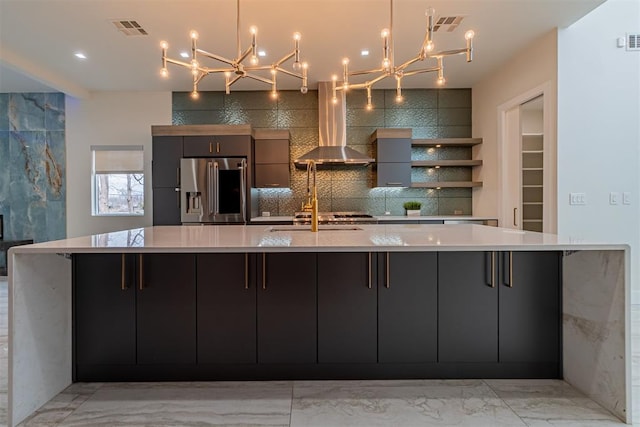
(306, 228)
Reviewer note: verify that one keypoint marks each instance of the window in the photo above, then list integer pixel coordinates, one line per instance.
(118, 180)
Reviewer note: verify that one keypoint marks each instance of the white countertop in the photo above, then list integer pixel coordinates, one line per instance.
(382, 218)
(287, 238)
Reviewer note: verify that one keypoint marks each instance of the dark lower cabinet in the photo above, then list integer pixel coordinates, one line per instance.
(467, 307)
(166, 309)
(529, 307)
(347, 308)
(226, 308)
(407, 307)
(105, 309)
(287, 317)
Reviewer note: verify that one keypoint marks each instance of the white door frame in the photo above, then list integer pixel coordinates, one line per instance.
(550, 186)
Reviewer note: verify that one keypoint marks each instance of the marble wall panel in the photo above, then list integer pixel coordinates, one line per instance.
(33, 166)
(347, 188)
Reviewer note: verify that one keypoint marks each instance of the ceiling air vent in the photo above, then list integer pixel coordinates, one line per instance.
(447, 23)
(633, 41)
(130, 28)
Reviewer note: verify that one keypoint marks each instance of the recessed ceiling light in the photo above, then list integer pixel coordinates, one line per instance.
(364, 52)
(262, 53)
(80, 55)
(184, 54)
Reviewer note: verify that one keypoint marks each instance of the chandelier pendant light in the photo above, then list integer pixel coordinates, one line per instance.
(389, 68)
(235, 69)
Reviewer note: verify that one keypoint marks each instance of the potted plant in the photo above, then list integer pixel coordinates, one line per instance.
(412, 208)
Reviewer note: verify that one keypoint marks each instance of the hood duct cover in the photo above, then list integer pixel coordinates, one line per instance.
(333, 148)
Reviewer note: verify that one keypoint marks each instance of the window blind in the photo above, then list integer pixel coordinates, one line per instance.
(118, 159)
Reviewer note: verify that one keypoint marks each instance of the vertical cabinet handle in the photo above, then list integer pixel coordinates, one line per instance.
(246, 271)
(178, 177)
(264, 271)
(515, 214)
(490, 269)
(369, 270)
(508, 269)
(123, 282)
(217, 147)
(211, 147)
(141, 272)
(388, 284)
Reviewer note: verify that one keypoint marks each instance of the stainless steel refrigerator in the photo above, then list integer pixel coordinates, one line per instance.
(214, 190)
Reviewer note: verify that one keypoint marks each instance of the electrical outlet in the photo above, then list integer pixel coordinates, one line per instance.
(626, 198)
(577, 198)
(614, 198)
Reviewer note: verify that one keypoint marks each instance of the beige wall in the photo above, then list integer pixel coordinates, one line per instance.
(531, 68)
(108, 118)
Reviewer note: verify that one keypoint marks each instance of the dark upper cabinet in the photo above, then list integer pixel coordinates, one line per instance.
(271, 159)
(393, 157)
(105, 309)
(407, 307)
(217, 146)
(347, 305)
(226, 308)
(165, 167)
(530, 312)
(166, 309)
(287, 303)
(166, 206)
(467, 307)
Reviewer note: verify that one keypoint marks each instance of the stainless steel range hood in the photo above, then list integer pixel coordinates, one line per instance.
(333, 148)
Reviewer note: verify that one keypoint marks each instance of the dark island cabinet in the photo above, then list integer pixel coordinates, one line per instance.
(529, 307)
(347, 308)
(467, 307)
(166, 309)
(226, 308)
(287, 308)
(104, 309)
(407, 307)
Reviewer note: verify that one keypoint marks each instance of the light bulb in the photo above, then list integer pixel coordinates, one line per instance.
(274, 95)
(194, 35)
(430, 11)
(164, 45)
(429, 46)
(253, 29)
(254, 60)
(384, 33)
(297, 36)
(195, 94)
(273, 71)
(386, 63)
(304, 89)
(334, 100)
(441, 81)
(164, 72)
(399, 98)
(369, 107)
(345, 61)
(469, 35)
(297, 66)
(227, 74)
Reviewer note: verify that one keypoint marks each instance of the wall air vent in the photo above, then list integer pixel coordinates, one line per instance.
(129, 28)
(447, 23)
(633, 41)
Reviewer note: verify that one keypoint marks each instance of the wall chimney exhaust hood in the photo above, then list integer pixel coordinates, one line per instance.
(333, 148)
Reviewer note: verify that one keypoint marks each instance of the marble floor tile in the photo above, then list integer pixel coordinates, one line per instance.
(551, 402)
(60, 407)
(186, 404)
(401, 403)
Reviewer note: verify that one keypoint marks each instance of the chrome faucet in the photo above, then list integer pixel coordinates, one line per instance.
(312, 196)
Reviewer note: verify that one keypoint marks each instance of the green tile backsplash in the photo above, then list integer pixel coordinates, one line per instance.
(430, 113)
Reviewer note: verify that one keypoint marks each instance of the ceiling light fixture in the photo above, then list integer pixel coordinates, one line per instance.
(80, 55)
(388, 67)
(184, 54)
(236, 69)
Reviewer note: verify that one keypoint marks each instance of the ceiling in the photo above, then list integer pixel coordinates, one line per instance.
(38, 39)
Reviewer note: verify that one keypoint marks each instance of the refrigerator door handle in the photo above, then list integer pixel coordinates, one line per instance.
(243, 189)
(216, 187)
(209, 188)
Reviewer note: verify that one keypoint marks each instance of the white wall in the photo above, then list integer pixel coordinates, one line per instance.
(531, 68)
(108, 118)
(598, 127)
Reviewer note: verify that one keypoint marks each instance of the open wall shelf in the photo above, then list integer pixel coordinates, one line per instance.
(446, 143)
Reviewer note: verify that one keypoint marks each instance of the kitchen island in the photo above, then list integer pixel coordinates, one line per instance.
(366, 301)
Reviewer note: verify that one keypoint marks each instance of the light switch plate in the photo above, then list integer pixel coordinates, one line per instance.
(577, 198)
(614, 198)
(626, 198)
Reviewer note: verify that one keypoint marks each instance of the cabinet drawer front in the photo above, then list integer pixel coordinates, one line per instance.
(272, 151)
(395, 150)
(272, 176)
(217, 146)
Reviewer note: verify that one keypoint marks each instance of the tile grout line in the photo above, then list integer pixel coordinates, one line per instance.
(505, 402)
(293, 384)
